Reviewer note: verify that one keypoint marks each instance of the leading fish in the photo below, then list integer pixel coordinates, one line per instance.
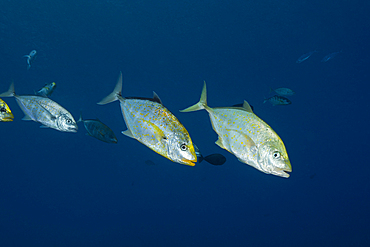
(43, 110)
(6, 114)
(247, 137)
(149, 122)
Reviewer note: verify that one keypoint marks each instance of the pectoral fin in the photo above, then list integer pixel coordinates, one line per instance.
(242, 138)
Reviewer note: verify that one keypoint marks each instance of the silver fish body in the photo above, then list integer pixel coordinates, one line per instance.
(278, 100)
(44, 110)
(149, 122)
(247, 136)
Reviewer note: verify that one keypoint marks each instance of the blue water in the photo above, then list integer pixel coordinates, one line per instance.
(69, 189)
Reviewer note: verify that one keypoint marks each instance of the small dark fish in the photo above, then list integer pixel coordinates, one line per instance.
(213, 159)
(305, 56)
(30, 58)
(46, 90)
(330, 56)
(97, 129)
(278, 100)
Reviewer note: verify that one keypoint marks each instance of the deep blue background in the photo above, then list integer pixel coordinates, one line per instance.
(68, 189)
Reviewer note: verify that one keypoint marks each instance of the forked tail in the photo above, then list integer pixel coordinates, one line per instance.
(202, 104)
(115, 95)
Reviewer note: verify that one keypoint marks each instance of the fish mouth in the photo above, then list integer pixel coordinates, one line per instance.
(282, 172)
(73, 129)
(189, 162)
(8, 117)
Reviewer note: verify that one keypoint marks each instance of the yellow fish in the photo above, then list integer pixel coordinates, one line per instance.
(149, 122)
(6, 114)
(246, 136)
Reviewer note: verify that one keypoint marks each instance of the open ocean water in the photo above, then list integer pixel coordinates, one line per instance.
(69, 189)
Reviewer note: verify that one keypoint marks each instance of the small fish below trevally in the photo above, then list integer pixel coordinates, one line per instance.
(330, 56)
(305, 56)
(46, 90)
(97, 129)
(283, 91)
(213, 159)
(30, 58)
(6, 114)
(152, 124)
(247, 137)
(278, 100)
(43, 110)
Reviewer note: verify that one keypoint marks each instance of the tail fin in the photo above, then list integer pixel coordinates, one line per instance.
(113, 96)
(10, 92)
(202, 104)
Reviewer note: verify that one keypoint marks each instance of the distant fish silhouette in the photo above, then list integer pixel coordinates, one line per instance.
(305, 56)
(330, 56)
(30, 58)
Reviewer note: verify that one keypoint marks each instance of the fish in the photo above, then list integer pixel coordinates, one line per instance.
(153, 125)
(46, 90)
(6, 114)
(305, 56)
(30, 58)
(247, 137)
(278, 100)
(43, 110)
(97, 129)
(283, 91)
(330, 56)
(213, 159)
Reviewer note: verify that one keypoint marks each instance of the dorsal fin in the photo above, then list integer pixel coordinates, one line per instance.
(247, 107)
(156, 98)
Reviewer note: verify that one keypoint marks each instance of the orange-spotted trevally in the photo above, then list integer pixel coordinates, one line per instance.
(43, 110)
(149, 122)
(246, 136)
(6, 114)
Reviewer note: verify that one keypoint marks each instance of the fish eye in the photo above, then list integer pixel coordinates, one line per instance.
(2, 109)
(69, 121)
(183, 147)
(276, 155)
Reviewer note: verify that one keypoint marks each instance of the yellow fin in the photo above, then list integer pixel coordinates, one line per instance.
(159, 134)
(219, 143)
(128, 133)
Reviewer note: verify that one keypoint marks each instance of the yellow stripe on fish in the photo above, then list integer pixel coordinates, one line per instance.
(246, 136)
(152, 124)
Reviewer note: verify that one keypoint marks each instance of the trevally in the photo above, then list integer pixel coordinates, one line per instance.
(152, 124)
(6, 114)
(247, 137)
(43, 110)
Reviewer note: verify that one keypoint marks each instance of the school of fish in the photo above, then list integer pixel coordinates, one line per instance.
(239, 130)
